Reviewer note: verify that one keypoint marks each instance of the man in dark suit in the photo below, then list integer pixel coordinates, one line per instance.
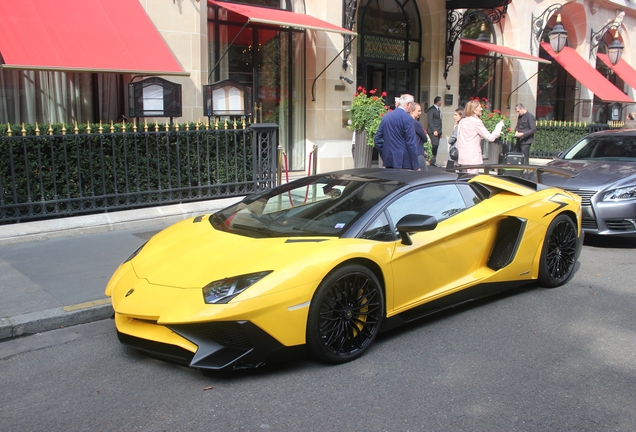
(395, 139)
(434, 128)
(526, 127)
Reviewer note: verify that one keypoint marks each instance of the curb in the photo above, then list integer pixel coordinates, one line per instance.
(51, 319)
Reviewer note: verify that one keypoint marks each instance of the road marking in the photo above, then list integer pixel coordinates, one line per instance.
(86, 305)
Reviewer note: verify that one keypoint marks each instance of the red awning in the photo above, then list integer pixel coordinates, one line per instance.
(80, 35)
(622, 69)
(279, 17)
(470, 47)
(580, 69)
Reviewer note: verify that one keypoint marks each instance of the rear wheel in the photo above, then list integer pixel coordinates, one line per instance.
(345, 315)
(559, 253)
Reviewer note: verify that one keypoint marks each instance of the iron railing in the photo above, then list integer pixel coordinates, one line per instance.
(60, 175)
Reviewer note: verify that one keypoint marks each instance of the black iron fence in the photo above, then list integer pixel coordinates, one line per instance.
(553, 137)
(95, 171)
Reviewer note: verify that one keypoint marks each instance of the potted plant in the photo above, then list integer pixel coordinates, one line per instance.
(367, 110)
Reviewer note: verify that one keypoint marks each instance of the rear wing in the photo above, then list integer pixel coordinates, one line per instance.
(500, 169)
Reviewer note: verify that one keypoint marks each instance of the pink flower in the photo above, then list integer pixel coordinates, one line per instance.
(383, 94)
(372, 91)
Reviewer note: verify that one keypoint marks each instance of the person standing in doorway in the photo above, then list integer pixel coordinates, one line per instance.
(434, 128)
(416, 112)
(526, 127)
(395, 139)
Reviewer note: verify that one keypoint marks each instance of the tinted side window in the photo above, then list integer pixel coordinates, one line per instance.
(379, 230)
(441, 201)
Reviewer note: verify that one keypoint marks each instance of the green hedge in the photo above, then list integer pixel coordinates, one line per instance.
(107, 169)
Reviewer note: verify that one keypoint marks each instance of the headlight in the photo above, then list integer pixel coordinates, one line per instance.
(628, 192)
(222, 291)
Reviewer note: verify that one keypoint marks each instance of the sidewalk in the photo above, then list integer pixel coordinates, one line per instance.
(53, 273)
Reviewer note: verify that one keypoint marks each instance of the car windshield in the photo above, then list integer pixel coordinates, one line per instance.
(618, 148)
(315, 206)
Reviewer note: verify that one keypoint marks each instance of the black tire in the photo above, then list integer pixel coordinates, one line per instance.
(345, 315)
(560, 250)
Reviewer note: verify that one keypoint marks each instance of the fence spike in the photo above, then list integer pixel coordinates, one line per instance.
(9, 133)
(123, 125)
(112, 127)
(176, 126)
(37, 129)
(63, 129)
(234, 124)
(23, 131)
(134, 125)
(50, 131)
(75, 129)
(167, 127)
(100, 129)
(88, 127)
(145, 126)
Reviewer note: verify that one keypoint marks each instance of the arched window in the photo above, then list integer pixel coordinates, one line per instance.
(389, 52)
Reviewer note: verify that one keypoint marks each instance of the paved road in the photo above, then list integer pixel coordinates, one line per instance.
(533, 360)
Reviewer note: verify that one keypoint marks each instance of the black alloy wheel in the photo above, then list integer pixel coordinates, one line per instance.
(345, 315)
(559, 253)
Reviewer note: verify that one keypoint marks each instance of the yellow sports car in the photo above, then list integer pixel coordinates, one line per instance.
(324, 263)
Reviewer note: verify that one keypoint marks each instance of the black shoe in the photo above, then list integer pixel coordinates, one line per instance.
(435, 165)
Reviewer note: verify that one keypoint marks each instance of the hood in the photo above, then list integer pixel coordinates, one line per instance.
(191, 255)
(591, 174)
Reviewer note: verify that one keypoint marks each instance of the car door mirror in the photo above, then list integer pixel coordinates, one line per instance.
(414, 223)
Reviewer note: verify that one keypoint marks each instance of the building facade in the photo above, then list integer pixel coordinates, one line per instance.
(303, 60)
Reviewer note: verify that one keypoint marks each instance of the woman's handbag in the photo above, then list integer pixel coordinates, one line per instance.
(453, 153)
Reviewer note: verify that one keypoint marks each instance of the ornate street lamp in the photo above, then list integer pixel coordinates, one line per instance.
(615, 50)
(483, 36)
(558, 36)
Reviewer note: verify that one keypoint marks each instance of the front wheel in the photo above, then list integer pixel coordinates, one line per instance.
(345, 315)
(559, 253)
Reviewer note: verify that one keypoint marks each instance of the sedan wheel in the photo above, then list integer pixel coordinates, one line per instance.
(559, 252)
(345, 315)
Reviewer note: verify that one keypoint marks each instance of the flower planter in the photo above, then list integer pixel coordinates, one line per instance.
(362, 153)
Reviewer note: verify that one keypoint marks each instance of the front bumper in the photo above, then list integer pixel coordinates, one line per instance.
(224, 345)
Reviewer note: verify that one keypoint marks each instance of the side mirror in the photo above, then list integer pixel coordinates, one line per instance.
(414, 223)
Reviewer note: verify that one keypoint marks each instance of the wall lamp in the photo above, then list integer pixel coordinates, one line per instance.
(615, 49)
(346, 79)
(558, 36)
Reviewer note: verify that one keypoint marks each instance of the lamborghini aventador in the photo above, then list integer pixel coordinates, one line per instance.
(325, 263)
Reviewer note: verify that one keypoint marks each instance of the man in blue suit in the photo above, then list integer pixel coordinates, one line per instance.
(396, 140)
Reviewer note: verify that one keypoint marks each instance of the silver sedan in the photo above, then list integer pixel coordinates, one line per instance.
(605, 168)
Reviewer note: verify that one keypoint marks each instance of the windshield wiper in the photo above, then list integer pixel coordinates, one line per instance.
(255, 229)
